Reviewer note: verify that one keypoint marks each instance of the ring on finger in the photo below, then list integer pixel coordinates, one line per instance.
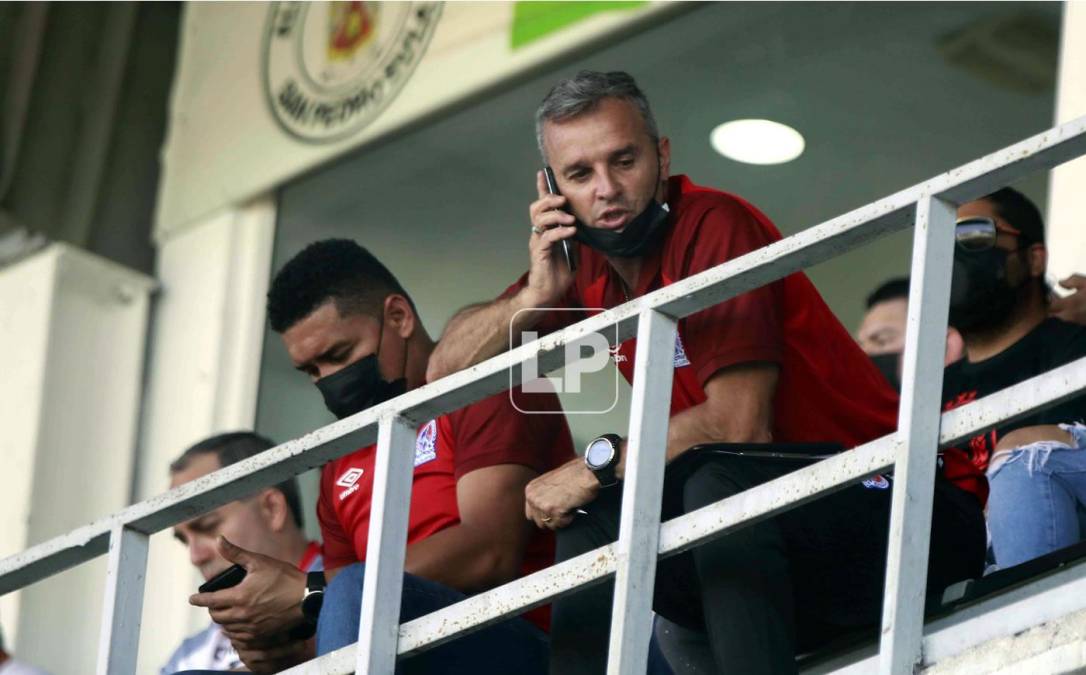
(538, 230)
(546, 519)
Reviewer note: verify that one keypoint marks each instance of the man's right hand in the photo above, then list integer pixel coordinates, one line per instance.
(548, 276)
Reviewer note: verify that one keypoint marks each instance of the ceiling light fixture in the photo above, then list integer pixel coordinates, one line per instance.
(757, 141)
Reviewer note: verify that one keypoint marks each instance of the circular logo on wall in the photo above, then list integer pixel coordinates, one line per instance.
(330, 68)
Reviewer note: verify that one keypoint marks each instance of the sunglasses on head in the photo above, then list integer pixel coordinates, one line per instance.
(977, 233)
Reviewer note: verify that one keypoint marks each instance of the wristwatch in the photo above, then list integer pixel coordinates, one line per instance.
(314, 595)
(601, 456)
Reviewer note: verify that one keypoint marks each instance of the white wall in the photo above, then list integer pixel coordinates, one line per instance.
(72, 331)
(1066, 198)
(203, 372)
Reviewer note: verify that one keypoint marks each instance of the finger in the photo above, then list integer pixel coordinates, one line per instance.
(541, 184)
(235, 554)
(545, 204)
(1075, 282)
(1058, 305)
(216, 600)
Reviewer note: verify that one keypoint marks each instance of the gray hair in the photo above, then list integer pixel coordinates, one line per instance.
(583, 92)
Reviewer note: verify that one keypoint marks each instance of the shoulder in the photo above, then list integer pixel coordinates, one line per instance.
(188, 647)
(1059, 341)
(706, 212)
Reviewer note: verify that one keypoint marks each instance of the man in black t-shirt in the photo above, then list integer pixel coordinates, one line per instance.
(1036, 466)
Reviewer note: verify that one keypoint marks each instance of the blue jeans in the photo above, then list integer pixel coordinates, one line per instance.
(1038, 499)
(512, 646)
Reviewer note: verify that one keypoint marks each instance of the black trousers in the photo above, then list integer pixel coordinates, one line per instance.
(769, 591)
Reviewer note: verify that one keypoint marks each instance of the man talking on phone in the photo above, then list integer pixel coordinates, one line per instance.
(772, 364)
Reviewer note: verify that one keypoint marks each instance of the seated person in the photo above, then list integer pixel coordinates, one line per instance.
(1036, 466)
(269, 522)
(350, 326)
(882, 331)
(772, 364)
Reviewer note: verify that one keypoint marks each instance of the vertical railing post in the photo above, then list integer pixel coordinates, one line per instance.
(918, 429)
(393, 471)
(642, 490)
(122, 607)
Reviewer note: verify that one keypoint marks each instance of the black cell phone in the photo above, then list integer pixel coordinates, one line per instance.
(228, 578)
(567, 247)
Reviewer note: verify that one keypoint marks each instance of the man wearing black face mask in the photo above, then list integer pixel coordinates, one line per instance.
(351, 327)
(772, 364)
(999, 303)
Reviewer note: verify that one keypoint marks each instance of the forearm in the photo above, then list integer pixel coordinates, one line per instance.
(465, 558)
(699, 424)
(479, 332)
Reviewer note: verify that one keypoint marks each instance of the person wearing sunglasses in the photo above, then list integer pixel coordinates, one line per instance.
(1000, 303)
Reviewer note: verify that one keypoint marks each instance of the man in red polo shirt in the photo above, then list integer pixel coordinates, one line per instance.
(350, 326)
(772, 364)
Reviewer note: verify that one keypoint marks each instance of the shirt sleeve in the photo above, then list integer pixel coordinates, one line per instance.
(337, 548)
(493, 431)
(746, 328)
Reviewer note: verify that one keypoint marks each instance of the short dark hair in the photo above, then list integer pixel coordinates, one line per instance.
(583, 92)
(895, 288)
(234, 446)
(1018, 210)
(332, 269)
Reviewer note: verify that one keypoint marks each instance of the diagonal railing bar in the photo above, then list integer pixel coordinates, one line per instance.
(677, 300)
(715, 520)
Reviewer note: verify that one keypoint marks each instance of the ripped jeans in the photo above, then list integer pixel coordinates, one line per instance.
(1038, 499)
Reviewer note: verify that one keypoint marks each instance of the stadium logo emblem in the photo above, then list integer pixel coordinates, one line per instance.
(330, 68)
(876, 482)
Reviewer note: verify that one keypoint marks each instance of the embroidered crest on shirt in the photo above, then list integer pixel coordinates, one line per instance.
(680, 353)
(426, 444)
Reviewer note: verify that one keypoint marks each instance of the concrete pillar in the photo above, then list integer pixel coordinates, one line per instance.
(204, 366)
(1066, 196)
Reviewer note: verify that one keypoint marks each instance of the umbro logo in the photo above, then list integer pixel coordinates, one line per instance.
(349, 480)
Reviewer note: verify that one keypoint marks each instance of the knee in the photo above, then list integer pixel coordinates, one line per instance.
(710, 483)
(1020, 438)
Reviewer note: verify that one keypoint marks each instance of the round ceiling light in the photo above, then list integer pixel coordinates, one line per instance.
(757, 141)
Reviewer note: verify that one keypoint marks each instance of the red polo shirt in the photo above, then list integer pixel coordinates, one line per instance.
(487, 433)
(828, 391)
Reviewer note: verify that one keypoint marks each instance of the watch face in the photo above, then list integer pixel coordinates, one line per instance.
(599, 453)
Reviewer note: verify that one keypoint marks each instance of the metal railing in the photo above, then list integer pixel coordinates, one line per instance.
(929, 206)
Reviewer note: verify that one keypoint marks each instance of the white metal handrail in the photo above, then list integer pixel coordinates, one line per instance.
(653, 316)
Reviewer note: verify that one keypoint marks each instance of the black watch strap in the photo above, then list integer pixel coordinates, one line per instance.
(314, 595)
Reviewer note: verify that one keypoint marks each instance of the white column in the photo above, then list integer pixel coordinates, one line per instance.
(72, 331)
(1066, 199)
(204, 366)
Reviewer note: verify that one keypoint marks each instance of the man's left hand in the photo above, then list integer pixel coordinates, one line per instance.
(551, 499)
(267, 602)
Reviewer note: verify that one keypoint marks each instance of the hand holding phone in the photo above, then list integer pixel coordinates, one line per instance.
(228, 578)
(567, 247)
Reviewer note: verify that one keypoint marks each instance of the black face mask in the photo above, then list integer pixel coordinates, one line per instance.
(634, 239)
(887, 365)
(981, 297)
(357, 387)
